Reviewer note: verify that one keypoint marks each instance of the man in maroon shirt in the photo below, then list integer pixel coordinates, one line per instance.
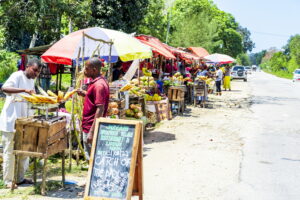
(95, 102)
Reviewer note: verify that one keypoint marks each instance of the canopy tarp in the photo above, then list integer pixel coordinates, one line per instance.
(189, 57)
(199, 51)
(39, 50)
(156, 45)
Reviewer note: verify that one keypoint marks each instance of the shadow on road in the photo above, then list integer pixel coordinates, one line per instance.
(272, 100)
(157, 136)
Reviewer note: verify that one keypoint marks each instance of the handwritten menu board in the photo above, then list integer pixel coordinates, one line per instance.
(111, 160)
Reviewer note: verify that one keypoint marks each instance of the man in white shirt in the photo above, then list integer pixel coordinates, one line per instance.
(219, 77)
(19, 82)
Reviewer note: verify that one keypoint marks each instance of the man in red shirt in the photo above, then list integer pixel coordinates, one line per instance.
(95, 102)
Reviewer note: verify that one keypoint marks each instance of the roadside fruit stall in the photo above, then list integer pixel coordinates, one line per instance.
(44, 134)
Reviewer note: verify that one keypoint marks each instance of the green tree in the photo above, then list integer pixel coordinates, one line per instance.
(37, 22)
(243, 59)
(294, 48)
(197, 30)
(155, 21)
(229, 40)
(122, 15)
(232, 42)
(248, 44)
(8, 64)
(278, 62)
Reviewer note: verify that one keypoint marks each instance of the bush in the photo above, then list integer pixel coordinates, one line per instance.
(8, 64)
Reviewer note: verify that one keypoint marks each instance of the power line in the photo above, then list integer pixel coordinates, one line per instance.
(272, 34)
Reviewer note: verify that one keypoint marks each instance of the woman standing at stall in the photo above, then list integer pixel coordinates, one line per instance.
(227, 78)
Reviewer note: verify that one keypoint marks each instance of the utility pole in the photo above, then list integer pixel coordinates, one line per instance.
(168, 27)
(170, 8)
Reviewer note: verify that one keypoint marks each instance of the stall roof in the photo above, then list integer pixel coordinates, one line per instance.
(156, 45)
(184, 55)
(199, 51)
(35, 50)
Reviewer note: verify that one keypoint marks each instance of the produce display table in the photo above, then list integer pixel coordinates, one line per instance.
(176, 95)
(40, 138)
(200, 90)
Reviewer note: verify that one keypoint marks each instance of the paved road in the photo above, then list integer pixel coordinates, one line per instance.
(271, 163)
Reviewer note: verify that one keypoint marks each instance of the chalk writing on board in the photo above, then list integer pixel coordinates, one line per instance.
(112, 159)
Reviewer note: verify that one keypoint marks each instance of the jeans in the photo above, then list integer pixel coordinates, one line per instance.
(218, 85)
(9, 160)
(45, 83)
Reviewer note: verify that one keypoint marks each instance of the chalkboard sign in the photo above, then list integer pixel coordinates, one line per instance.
(113, 159)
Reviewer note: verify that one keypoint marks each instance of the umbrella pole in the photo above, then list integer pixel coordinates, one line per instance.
(110, 64)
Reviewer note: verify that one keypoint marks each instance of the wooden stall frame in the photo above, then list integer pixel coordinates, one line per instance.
(135, 166)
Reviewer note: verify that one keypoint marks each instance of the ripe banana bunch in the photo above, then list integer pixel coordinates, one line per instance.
(146, 72)
(126, 87)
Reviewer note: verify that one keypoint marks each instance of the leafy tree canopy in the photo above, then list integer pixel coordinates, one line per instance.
(122, 15)
(24, 19)
(243, 59)
(197, 30)
(155, 21)
(248, 44)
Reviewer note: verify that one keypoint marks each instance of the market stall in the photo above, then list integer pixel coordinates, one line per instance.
(106, 44)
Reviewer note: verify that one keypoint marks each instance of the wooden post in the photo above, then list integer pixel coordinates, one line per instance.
(63, 168)
(109, 78)
(44, 176)
(72, 110)
(34, 171)
(16, 170)
(140, 168)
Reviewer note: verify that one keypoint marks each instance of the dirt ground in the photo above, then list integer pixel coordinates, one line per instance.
(194, 156)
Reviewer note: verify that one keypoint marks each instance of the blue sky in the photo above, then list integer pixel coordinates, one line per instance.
(271, 22)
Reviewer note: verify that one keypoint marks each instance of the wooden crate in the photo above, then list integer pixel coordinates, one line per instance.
(40, 136)
(162, 108)
(176, 94)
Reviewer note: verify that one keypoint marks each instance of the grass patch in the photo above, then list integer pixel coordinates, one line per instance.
(281, 74)
(2, 101)
(65, 82)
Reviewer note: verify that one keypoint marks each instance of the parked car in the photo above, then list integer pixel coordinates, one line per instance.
(239, 72)
(296, 76)
(248, 70)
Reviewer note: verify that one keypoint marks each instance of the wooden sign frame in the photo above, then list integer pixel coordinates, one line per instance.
(135, 179)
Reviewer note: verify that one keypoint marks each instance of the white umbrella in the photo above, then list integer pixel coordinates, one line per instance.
(219, 58)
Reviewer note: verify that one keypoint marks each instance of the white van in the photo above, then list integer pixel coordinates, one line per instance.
(296, 76)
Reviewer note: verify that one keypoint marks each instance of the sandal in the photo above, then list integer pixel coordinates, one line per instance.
(25, 181)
